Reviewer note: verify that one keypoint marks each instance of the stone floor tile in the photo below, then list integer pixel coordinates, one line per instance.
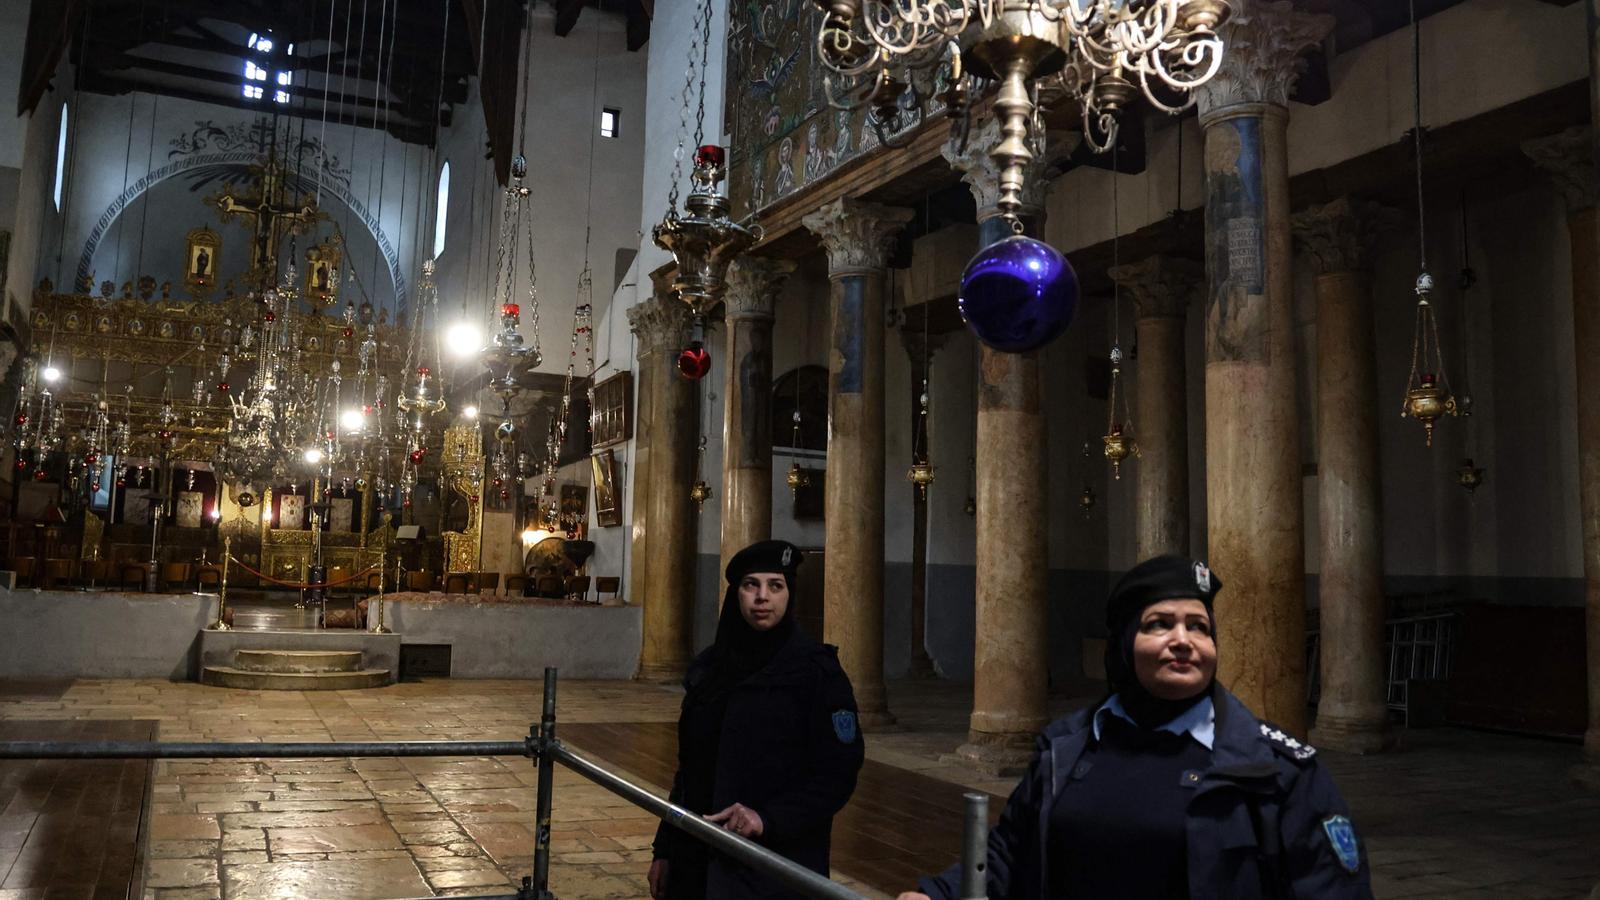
(180, 873)
(332, 839)
(373, 879)
(184, 827)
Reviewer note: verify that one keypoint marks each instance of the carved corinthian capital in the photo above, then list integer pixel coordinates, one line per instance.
(857, 235)
(1161, 286)
(660, 323)
(1568, 159)
(1338, 236)
(753, 286)
(1264, 41)
(982, 174)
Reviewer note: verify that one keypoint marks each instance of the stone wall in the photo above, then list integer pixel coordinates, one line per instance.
(500, 640)
(70, 634)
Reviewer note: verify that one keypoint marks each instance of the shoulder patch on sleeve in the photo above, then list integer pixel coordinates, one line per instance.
(844, 726)
(1342, 837)
(1286, 744)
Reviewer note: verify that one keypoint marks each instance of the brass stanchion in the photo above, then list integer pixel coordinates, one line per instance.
(382, 558)
(222, 590)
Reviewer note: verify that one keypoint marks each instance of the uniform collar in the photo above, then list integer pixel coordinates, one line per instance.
(1198, 721)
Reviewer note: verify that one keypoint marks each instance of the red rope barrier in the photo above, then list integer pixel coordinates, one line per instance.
(303, 585)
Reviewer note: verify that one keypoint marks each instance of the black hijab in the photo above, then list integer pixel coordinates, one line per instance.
(1167, 577)
(740, 650)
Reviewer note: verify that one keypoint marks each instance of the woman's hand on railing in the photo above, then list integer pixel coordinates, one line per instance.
(739, 819)
(658, 879)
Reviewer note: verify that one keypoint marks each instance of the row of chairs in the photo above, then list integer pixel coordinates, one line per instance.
(125, 574)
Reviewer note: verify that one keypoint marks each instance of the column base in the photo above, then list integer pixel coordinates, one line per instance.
(872, 708)
(665, 673)
(1000, 755)
(1586, 775)
(921, 668)
(1352, 736)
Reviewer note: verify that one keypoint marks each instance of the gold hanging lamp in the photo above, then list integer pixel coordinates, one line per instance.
(1428, 396)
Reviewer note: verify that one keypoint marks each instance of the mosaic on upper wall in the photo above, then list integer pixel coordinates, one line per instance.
(784, 135)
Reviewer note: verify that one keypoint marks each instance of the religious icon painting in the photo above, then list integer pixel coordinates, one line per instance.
(292, 512)
(341, 514)
(72, 322)
(167, 330)
(190, 505)
(607, 510)
(200, 267)
(103, 325)
(322, 271)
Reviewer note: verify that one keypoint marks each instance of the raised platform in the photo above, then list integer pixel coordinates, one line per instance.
(296, 660)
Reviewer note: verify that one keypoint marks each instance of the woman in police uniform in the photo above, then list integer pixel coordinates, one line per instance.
(768, 745)
(1170, 788)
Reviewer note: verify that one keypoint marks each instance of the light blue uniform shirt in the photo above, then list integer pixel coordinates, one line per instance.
(1199, 721)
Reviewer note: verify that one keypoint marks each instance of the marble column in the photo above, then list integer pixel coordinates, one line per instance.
(1011, 643)
(753, 286)
(1352, 714)
(662, 326)
(1254, 511)
(1569, 160)
(920, 347)
(1161, 288)
(858, 237)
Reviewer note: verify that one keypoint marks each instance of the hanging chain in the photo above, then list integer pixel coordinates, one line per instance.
(699, 43)
(1416, 133)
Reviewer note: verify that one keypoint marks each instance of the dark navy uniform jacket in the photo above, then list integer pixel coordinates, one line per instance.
(1261, 824)
(790, 750)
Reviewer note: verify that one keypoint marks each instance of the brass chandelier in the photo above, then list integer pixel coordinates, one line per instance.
(1101, 53)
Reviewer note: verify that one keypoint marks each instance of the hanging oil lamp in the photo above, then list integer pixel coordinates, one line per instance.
(798, 477)
(921, 472)
(1428, 396)
(1469, 476)
(1118, 439)
(1087, 500)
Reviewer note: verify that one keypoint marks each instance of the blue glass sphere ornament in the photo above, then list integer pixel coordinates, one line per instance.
(1018, 294)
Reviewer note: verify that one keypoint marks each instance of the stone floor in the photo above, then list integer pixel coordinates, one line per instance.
(1455, 813)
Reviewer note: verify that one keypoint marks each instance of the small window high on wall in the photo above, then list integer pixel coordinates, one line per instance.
(61, 157)
(441, 209)
(610, 122)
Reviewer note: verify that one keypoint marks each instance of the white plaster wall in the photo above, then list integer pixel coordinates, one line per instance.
(36, 239)
(119, 140)
(13, 38)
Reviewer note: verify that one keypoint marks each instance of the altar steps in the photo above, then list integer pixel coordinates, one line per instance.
(296, 670)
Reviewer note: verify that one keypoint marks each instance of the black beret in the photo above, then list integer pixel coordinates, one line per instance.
(1160, 578)
(765, 556)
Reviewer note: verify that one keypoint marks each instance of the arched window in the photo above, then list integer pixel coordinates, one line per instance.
(441, 209)
(61, 157)
(805, 389)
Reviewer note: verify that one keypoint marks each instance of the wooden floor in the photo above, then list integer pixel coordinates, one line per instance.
(897, 826)
(71, 828)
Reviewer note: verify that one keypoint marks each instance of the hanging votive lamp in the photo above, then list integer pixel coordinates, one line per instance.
(921, 475)
(700, 493)
(1018, 294)
(1428, 396)
(703, 243)
(1118, 439)
(1469, 476)
(797, 478)
(1086, 501)
(921, 471)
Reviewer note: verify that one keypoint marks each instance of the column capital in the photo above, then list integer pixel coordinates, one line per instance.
(1264, 40)
(1161, 286)
(1339, 235)
(857, 235)
(753, 286)
(1568, 160)
(660, 323)
(921, 346)
(982, 174)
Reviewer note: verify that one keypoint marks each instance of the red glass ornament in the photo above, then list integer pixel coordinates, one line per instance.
(121, 483)
(1429, 378)
(710, 155)
(510, 309)
(417, 455)
(694, 362)
(91, 458)
(349, 331)
(22, 418)
(505, 495)
(22, 465)
(39, 475)
(422, 370)
(498, 482)
(366, 408)
(270, 317)
(222, 387)
(408, 504)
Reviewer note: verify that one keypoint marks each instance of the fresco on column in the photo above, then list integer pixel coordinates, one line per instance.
(1236, 212)
(785, 136)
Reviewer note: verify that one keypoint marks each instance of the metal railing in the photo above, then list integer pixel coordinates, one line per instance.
(541, 745)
